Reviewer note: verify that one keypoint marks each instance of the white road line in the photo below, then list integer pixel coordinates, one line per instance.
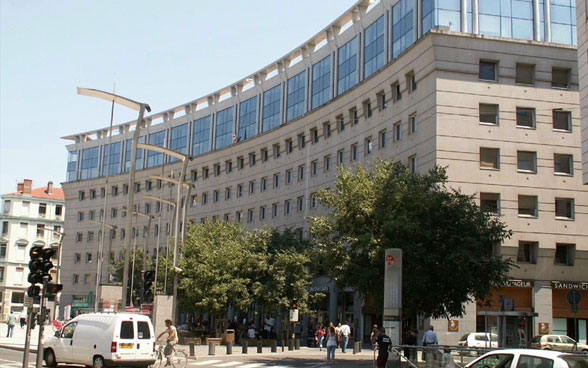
(252, 365)
(227, 364)
(206, 362)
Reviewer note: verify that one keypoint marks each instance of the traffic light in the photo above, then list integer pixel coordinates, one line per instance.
(294, 303)
(53, 289)
(148, 278)
(35, 271)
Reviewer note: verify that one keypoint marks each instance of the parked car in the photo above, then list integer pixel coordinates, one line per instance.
(477, 340)
(102, 340)
(529, 358)
(557, 342)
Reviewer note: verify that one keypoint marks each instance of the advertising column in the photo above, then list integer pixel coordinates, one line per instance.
(393, 294)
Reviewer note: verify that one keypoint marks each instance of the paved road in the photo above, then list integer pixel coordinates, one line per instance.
(13, 359)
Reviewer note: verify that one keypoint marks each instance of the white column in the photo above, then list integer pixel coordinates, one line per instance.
(416, 18)
(536, 22)
(475, 18)
(547, 14)
(542, 305)
(464, 16)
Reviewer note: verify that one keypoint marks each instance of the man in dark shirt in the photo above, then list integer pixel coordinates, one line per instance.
(384, 345)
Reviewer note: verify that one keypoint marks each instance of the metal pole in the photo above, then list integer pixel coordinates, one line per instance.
(178, 205)
(130, 200)
(158, 237)
(25, 359)
(41, 326)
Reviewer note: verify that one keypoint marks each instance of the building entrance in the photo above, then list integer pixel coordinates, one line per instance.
(513, 328)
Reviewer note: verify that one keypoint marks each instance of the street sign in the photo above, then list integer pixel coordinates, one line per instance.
(293, 315)
(573, 297)
(28, 302)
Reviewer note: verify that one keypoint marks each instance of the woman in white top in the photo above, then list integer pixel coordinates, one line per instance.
(331, 344)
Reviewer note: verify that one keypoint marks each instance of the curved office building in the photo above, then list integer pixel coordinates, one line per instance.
(487, 88)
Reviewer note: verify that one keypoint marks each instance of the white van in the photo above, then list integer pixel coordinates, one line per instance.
(103, 340)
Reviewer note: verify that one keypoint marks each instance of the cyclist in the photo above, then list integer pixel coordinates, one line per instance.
(171, 339)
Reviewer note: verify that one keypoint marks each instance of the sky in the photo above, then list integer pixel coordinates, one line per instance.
(163, 53)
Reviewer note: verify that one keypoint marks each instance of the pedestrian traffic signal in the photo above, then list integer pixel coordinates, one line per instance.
(148, 278)
(53, 289)
(294, 303)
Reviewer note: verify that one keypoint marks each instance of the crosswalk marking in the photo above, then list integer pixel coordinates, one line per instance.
(206, 362)
(227, 364)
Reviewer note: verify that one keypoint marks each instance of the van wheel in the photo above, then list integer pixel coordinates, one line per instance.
(50, 358)
(98, 362)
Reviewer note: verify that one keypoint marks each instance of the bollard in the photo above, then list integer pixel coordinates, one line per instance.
(360, 344)
(355, 348)
(191, 350)
(274, 346)
(229, 348)
(297, 344)
(290, 345)
(211, 346)
(259, 347)
(244, 345)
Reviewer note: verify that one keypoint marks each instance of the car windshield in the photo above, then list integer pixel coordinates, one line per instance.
(493, 361)
(464, 337)
(535, 339)
(575, 361)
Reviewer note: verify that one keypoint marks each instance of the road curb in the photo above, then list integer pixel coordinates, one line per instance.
(17, 348)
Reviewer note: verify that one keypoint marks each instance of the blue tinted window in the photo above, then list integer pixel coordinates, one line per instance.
(507, 18)
(271, 108)
(442, 13)
(128, 155)
(296, 96)
(563, 21)
(224, 128)
(347, 66)
(402, 26)
(321, 82)
(178, 140)
(248, 118)
(72, 166)
(201, 136)
(111, 158)
(375, 57)
(90, 163)
(155, 158)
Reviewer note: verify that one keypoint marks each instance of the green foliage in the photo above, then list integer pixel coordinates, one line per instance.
(225, 266)
(446, 240)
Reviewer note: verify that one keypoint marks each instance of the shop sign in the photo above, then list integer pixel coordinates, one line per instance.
(569, 285)
(543, 328)
(519, 283)
(318, 289)
(79, 304)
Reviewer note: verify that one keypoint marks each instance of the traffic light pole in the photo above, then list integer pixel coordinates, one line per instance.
(25, 359)
(41, 324)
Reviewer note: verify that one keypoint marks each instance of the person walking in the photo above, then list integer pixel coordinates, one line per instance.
(11, 323)
(23, 318)
(430, 339)
(384, 344)
(411, 340)
(331, 344)
(320, 334)
(345, 332)
(338, 333)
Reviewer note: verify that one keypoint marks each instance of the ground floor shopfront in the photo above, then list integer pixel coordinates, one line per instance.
(520, 311)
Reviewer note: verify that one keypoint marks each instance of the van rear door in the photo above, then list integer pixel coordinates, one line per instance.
(126, 343)
(145, 340)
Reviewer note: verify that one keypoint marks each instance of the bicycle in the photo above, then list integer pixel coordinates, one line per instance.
(177, 359)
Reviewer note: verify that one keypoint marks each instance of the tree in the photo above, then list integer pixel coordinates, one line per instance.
(446, 240)
(117, 268)
(224, 265)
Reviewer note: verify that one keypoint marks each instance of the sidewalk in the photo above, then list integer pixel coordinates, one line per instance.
(17, 340)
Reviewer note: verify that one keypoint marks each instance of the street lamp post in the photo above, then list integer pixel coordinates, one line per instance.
(149, 217)
(141, 107)
(100, 258)
(185, 158)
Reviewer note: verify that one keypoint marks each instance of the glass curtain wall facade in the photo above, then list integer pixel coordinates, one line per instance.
(500, 18)
(201, 135)
(224, 128)
(374, 50)
(321, 82)
(247, 119)
(156, 158)
(178, 140)
(111, 159)
(402, 26)
(90, 157)
(296, 96)
(347, 66)
(271, 108)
